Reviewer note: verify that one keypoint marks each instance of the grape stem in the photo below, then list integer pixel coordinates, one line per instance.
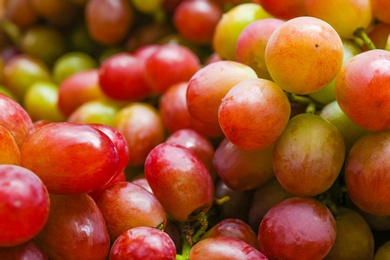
(361, 34)
(303, 100)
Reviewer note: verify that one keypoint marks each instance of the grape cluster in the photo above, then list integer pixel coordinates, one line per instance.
(195, 129)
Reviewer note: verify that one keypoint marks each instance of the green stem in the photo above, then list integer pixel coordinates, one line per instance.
(361, 34)
(185, 253)
(222, 200)
(303, 100)
(204, 224)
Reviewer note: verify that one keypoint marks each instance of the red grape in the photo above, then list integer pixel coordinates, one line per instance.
(125, 205)
(24, 205)
(70, 158)
(361, 89)
(367, 175)
(224, 248)
(297, 228)
(254, 113)
(141, 243)
(180, 180)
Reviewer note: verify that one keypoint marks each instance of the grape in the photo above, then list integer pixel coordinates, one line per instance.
(108, 21)
(143, 242)
(170, 64)
(225, 248)
(297, 228)
(125, 205)
(196, 20)
(71, 63)
(366, 174)
(361, 89)
(75, 229)
(242, 169)
(170, 169)
(383, 252)
(20, 12)
(77, 89)
(254, 113)
(173, 108)
(251, 44)
(231, 25)
(354, 237)
(142, 126)
(345, 16)
(380, 10)
(122, 77)
(310, 150)
(209, 85)
(70, 158)
(304, 54)
(9, 149)
(284, 9)
(21, 71)
(236, 228)
(24, 205)
(41, 102)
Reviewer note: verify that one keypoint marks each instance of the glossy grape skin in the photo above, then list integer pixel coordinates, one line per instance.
(125, 205)
(354, 239)
(24, 205)
(9, 149)
(197, 143)
(170, 64)
(361, 89)
(108, 21)
(304, 66)
(28, 250)
(284, 9)
(143, 243)
(142, 126)
(122, 78)
(242, 169)
(231, 25)
(171, 169)
(310, 150)
(381, 9)
(366, 173)
(77, 89)
(196, 20)
(251, 44)
(119, 141)
(209, 85)
(254, 113)
(173, 108)
(75, 229)
(15, 119)
(297, 228)
(225, 248)
(345, 16)
(70, 158)
(236, 228)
